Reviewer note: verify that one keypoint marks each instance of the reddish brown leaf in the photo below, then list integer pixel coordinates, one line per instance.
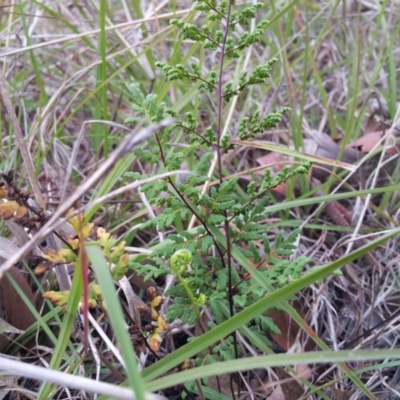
(340, 394)
(17, 312)
(273, 160)
(339, 213)
(369, 141)
(291, 388)
(288, 327)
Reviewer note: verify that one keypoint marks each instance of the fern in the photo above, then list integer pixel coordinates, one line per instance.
(208, 278)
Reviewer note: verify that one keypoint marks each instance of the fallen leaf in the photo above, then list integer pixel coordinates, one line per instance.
(294, 153)
(8, 210)
(291, 388)
(276, 161)
(288, 327)
(59, 298)
(372, 140)
(17, 312)
(155, 341)
(341, 394)
(339, 213)
(223, 383)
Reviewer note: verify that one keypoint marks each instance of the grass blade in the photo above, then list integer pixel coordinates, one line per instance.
(115, 314)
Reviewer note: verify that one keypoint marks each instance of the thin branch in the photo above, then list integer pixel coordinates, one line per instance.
(71, 381)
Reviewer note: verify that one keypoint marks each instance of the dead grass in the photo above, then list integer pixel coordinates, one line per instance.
(338, 71)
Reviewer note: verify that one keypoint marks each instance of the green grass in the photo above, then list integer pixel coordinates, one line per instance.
(64, 67)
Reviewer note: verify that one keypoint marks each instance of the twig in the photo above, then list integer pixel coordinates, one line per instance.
(71, 381)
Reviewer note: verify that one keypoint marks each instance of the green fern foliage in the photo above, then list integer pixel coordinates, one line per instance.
(190, 208)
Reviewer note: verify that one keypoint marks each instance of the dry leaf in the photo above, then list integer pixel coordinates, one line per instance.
(276, 161)
(374, 130)
(369, 141)
(3, 191)
(304, 156)
(341, 394)
(291, 388)
(17, 312)
(374, 124)
(283, 392)
(339, 213)
(155, 341)
(322, 145)
(59, 298)
(54, 256)
(8, 210)
(21, 212)
(223, 383)
(288, 327)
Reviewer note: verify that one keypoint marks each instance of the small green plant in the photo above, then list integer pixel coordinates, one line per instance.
(205, 271)
(206, 274)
